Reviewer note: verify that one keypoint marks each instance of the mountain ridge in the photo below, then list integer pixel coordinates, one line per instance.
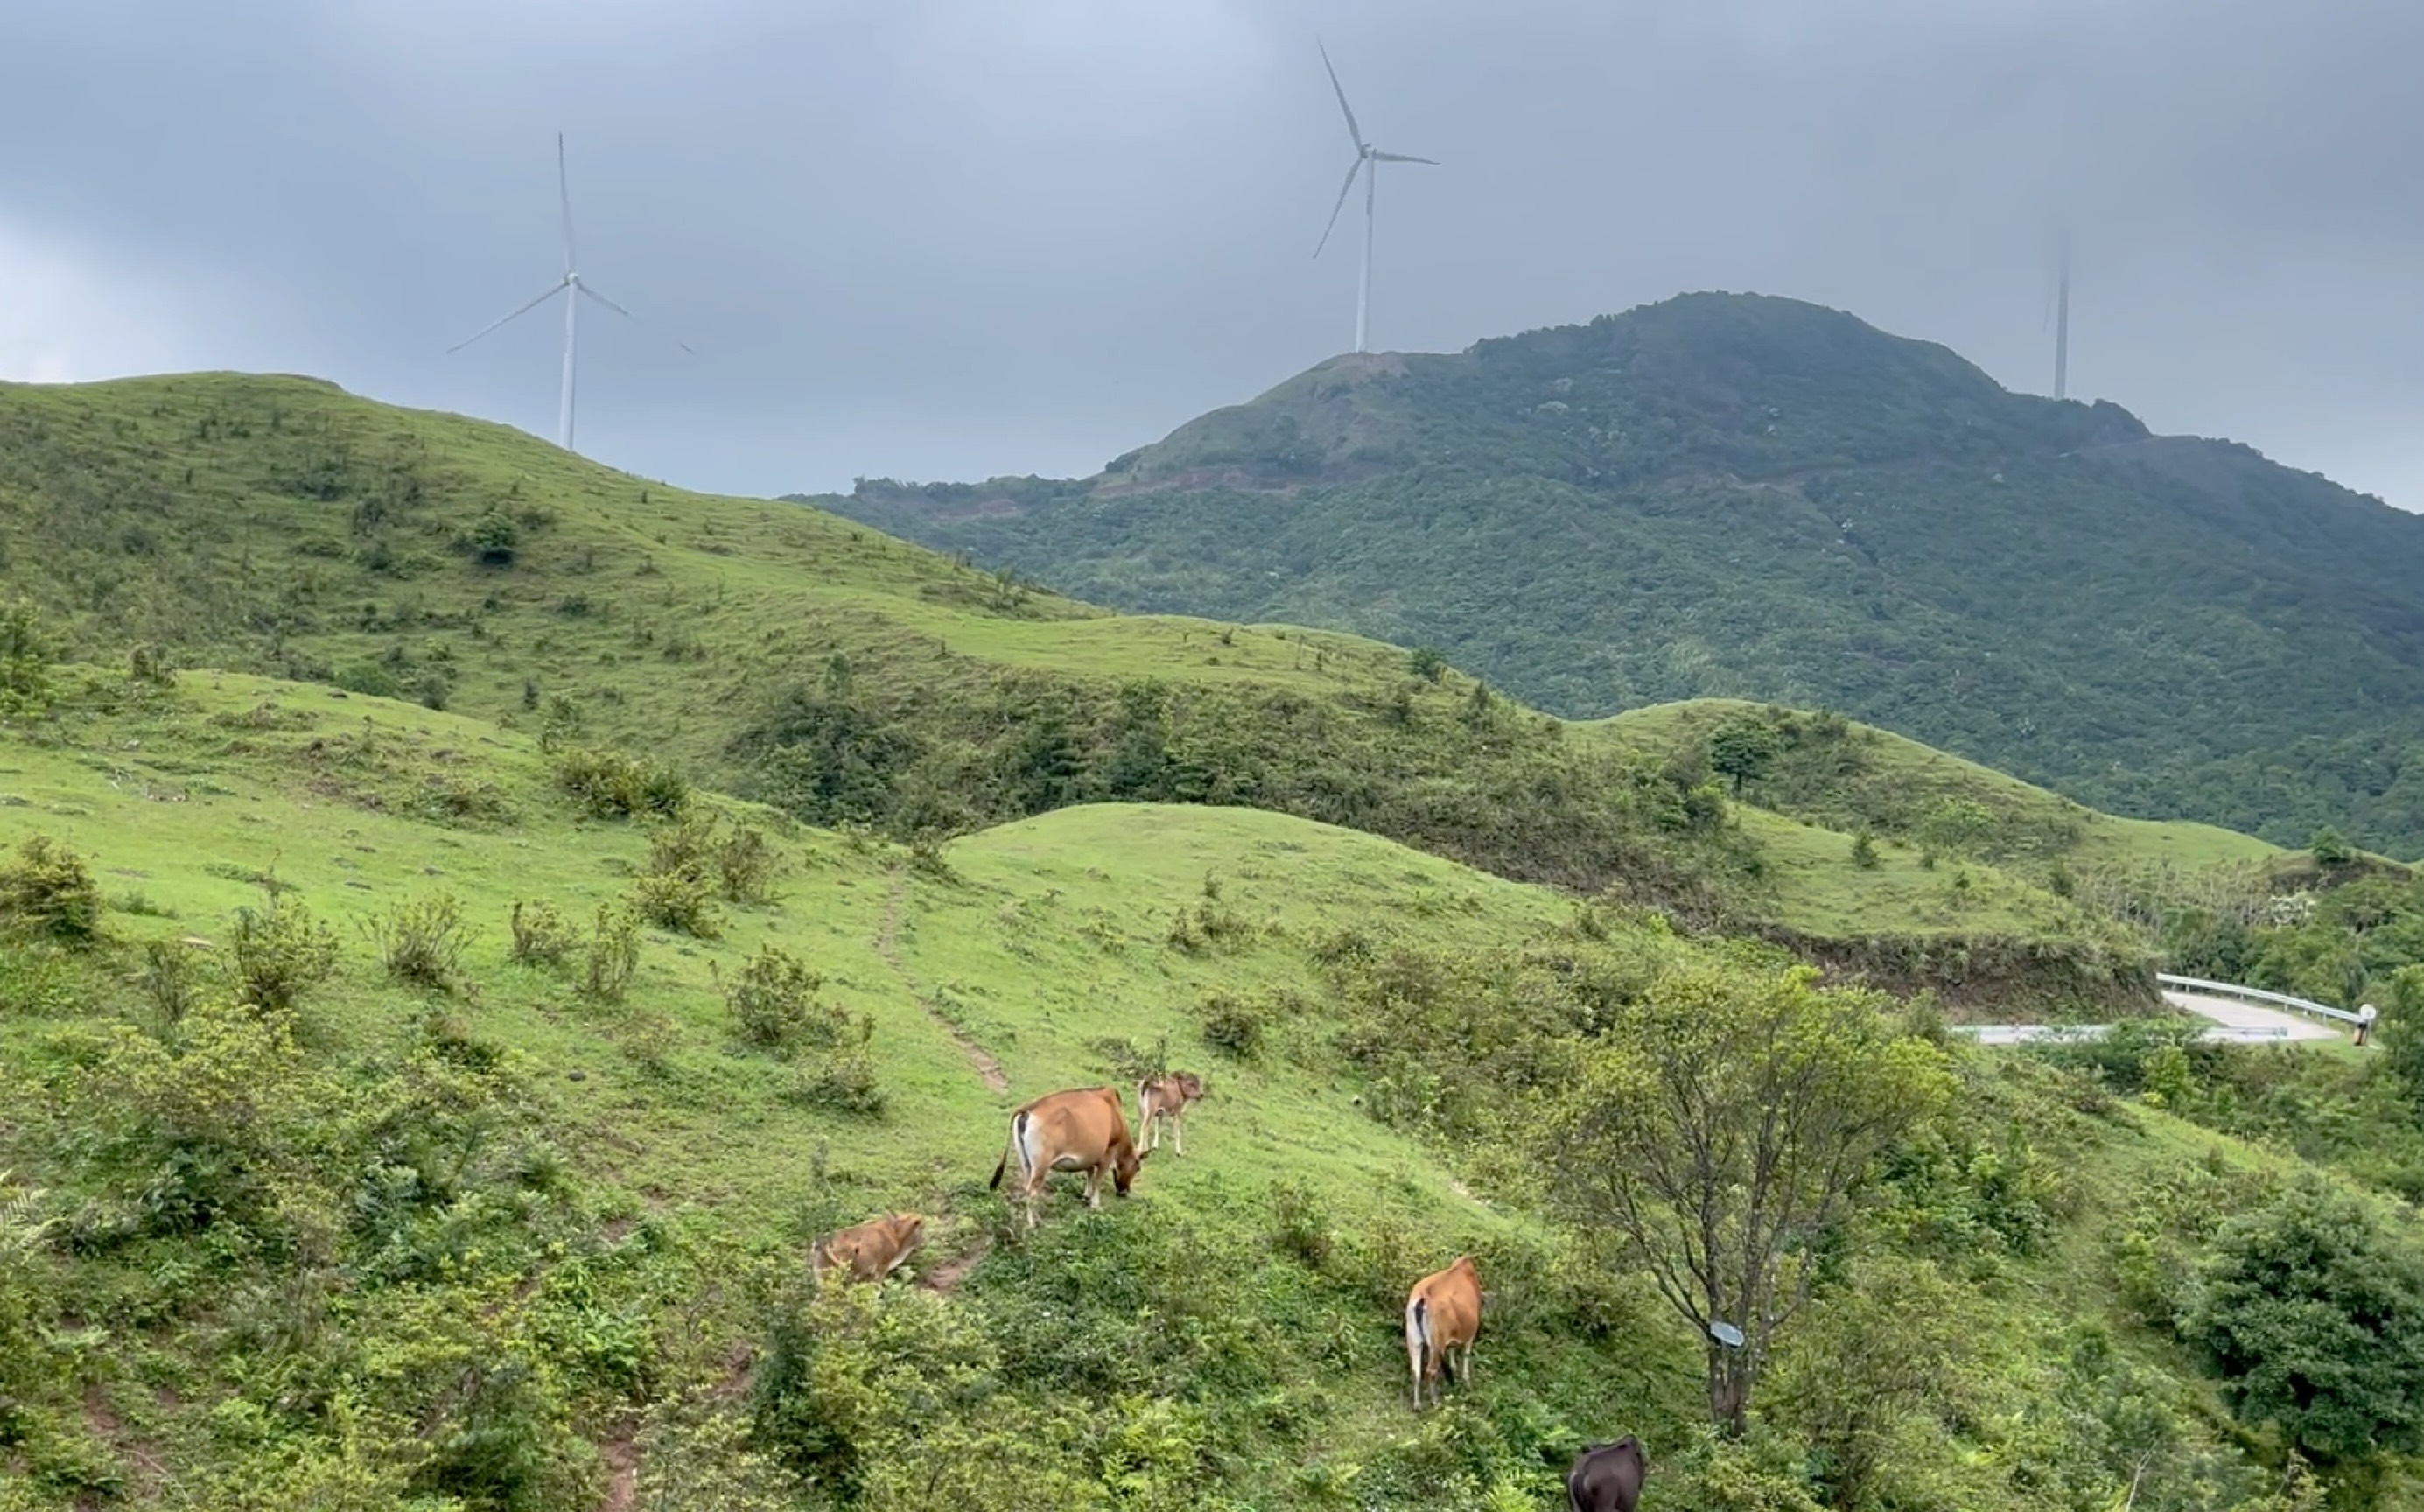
(1752, 497)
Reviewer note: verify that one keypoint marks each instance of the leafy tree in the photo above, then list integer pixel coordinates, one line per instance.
(1426, 663)
(2330, 849)
(28, 648)
(1723, 1127)
(1879, 1350)
(2402, 1034)
(2313, 1317)
(1742, 750)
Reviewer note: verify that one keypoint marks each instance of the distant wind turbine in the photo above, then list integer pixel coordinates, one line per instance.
(573, 289)
(2062, 320)
(1367, 161)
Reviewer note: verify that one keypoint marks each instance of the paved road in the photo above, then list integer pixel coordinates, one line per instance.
(2233, 1020)
(2254, 1016)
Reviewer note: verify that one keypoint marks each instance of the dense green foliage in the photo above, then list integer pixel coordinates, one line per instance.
(1754, 498)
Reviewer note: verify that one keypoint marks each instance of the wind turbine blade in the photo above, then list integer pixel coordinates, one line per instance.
(1352, 129)
(1343, 190)
(553, 290)
(1400, 158)
(627, 315)
(563, 193)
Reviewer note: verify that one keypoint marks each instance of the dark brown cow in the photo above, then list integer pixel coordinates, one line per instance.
(1084, 1129)
(1443, 1313)
(869, 1250)
(1607, 1477)
(1165, 1097)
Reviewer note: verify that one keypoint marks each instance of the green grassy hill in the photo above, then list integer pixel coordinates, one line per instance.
(490, 1241)
(278, 525)
(1754, 498)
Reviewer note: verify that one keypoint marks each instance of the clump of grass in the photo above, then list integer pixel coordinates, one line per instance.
(421, 939)
(542, 936)
(48, 890)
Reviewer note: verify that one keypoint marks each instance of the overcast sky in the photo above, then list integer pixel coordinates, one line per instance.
(953, 238)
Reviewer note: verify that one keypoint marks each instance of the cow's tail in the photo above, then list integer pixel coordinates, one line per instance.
(1419, 1326)
(1017, 1142)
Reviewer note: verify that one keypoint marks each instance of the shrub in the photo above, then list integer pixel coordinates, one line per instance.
(493, 537)
(842, 1081)
(1425, 663)
(773, 1001)
(167, 979)
(280, 951)
(542, 935)
(49, 891)
(1232, 1026)
(745, 864)
(1864, 851)
(613, 786)
(421, 941)
(28, 648)
(683, 902)
(614, 954)
(152, 666)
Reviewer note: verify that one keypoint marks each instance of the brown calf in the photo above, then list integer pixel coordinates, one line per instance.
(870, 1250)
(1166, 1097)
(1443, 1313)
(1084, 1129)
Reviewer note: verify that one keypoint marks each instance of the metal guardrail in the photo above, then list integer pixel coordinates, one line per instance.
(2301, 1005)
(2069, 1033)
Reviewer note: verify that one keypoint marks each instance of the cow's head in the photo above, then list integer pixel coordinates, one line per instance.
(1190, 1086)
(1125, 1167)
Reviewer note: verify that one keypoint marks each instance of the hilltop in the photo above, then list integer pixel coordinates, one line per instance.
(1755, 497)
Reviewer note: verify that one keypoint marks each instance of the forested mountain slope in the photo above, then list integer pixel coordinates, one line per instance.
(1756, 498)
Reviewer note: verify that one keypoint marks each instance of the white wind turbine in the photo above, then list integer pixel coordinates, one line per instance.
(573, 290)
(1367, 161)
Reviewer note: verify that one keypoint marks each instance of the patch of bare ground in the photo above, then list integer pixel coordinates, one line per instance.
(621, 1452)
(945, 1278)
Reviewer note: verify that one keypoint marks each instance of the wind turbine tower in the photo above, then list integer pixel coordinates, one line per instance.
(574, 291)
(1367, 161)
(2062, 321)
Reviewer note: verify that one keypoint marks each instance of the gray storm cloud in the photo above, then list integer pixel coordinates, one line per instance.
(933, 239)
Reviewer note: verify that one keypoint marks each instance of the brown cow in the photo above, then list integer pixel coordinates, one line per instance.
(870, 1250)
(1083, 1129)
(1443, 1313)
(1607, 1477)
(1165, 1097)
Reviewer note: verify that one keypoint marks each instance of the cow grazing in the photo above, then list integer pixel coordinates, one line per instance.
(1443, 1313)
(1084, 1129)
(869, 1250)
(1165, 1098)
(1607, 1477)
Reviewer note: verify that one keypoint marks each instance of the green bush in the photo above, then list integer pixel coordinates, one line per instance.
(27, 650)
(683, 902)
(773, 1002)
(1233, 1026)
(612, 956)
(421, 939)
(280, 951)
(613, 786)
(48, 890)
(745, 864)
(167, 979)
(1864, 851)
(542, 936)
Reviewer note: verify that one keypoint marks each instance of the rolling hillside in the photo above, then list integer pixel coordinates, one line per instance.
(428, 1101)
(492, 1240)
(1754, 498)
(278, 525)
